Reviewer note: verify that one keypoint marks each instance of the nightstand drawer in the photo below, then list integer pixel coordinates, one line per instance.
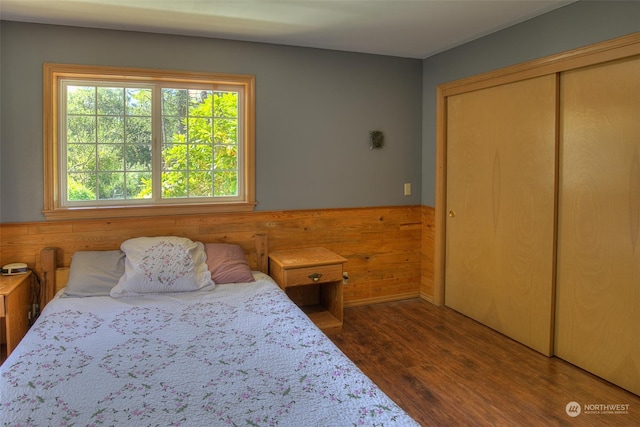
(311, 275)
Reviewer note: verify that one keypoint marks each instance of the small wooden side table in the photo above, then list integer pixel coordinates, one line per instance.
(312, 278)
(15, 302)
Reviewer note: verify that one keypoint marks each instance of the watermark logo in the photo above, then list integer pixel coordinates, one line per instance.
(606, 408)
(573, 409)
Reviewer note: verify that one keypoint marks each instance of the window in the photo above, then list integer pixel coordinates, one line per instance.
(132, 142)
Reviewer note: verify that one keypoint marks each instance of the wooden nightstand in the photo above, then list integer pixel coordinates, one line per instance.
(312, 278)
(15, 302)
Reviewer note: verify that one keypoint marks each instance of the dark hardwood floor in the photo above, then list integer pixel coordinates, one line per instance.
(445, 369)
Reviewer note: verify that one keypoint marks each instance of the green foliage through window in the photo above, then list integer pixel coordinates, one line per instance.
(112, 146)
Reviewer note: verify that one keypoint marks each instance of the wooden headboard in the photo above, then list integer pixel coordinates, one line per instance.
(55, 276)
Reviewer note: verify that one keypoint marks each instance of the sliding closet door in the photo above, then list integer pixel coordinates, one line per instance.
(500, 196)
(598, 281)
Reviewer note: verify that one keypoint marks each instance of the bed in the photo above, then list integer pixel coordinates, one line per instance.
(238, 353)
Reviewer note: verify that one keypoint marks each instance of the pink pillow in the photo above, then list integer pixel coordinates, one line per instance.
(227, 263)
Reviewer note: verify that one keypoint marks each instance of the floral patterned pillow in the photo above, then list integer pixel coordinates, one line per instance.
(162, 264)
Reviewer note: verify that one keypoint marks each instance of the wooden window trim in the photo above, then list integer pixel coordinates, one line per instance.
(53, 209)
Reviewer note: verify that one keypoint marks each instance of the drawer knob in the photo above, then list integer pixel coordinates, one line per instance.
(315, 276)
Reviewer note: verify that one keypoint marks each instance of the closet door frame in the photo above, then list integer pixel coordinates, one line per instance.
(617, 48)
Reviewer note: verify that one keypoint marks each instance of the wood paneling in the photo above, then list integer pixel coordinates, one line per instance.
(428, 255)
(383, 245)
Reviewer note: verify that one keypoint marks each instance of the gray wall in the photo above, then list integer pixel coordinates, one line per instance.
(314, 111)
(314, 107)
(578, 24)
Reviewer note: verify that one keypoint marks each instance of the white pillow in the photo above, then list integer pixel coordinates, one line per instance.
(162, 264)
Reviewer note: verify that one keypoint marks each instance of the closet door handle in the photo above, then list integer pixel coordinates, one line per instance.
(452, 214)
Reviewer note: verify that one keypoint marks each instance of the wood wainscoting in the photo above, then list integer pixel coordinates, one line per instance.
(389, 249)
(427, 288)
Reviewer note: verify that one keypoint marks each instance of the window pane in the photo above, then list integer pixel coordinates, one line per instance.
(81, 100)
(110, 186)
(201, 184)
(173, 130)
(81, 157)
(174, 184)
(138, 185)
(200, 103)
(110, 129)
(199, 130)
(226, 131)
(139, 102)
(81, 129)
(225, 104)
(193, 162)
(226, 157)
(174, 157)
(138, 157)
(200, 157)
(81, 186)
(139, 130)
(225, 184)
(174, 102)
(110, 101)
(111, 157)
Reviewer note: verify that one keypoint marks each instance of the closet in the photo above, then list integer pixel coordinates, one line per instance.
(538, 199)
(598, 272)
(500, 207)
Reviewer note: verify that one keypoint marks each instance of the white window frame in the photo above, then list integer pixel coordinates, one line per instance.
(55, 169)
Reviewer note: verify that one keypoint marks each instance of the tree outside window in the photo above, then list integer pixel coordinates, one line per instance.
(150, 139)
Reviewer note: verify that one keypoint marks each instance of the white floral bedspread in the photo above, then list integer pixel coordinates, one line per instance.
(240, 355)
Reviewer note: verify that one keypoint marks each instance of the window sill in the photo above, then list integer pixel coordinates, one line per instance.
(142, 211)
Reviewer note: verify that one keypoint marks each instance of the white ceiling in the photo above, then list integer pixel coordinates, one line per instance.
(404, 28)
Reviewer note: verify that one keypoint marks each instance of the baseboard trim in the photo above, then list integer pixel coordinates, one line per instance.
(428, 298)
(378, 300)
